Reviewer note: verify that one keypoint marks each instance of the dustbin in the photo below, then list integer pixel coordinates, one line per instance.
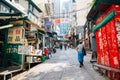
(43, 58)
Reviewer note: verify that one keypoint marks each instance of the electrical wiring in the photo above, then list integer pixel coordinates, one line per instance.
(75, 10)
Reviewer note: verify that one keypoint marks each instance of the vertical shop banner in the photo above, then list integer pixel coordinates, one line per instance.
(118, 30)
(15, 35)
(117, 21)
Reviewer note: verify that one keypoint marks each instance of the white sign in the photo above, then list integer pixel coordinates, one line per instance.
(80, 36)
(32, 18)
(25, 50)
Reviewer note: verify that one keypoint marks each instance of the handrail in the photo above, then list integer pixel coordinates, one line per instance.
(107, 68)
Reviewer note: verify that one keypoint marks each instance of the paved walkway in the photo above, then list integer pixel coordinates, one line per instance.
(62, 66)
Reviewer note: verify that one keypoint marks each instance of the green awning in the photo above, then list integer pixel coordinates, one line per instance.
(41, 31)
(10, 14)
(54, 34)
(40, 35)
(104, 21)
(34, 5)
(49, 34)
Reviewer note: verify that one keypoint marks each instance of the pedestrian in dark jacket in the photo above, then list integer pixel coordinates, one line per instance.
(65, 46)
(50, 52)
(61, 46)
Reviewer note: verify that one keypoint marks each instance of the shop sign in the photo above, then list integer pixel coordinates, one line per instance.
(20, 22)
(33, 19)
(27, 50)
(57, 21)
(80, 36)
(48, 23)
(15, 35)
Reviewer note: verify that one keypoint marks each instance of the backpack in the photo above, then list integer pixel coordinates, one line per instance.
(84, 51)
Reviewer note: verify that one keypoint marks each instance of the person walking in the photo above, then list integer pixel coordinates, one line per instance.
(65, 45)
(61, 46)
(46, 52)
(50, 52)
(80, 53)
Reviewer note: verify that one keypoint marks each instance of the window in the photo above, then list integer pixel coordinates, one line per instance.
(17, 1)
(4, 8)
(73, 1)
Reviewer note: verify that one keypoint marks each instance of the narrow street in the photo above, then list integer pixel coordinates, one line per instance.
(30, 30)
(62, 66)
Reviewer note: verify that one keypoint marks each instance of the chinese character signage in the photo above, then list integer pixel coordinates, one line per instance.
(118, 30)
(26, 50)
(15, 35)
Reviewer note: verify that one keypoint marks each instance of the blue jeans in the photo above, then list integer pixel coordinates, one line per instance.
(80, 56)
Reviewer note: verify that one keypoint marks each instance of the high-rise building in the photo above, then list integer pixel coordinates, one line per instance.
(81, 11)
(56, 8)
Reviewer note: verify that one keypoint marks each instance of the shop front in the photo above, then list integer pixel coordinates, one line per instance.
(106, 30)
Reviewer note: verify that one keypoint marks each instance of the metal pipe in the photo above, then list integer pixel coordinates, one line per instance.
(22, 66)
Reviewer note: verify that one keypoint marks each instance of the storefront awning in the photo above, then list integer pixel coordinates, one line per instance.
(49, 33)
(34, 25)
(34, 5)
(41, 31)
(104, 21)
(12, 6)
(54, 34)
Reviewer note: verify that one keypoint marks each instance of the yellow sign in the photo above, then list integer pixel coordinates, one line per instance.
(17, 22)
(15, 35)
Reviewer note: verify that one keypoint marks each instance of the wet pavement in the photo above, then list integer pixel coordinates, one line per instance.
(62, 66)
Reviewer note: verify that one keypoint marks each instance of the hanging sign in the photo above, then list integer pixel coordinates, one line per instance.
(33, 18)
(15, 35)
(26, 50)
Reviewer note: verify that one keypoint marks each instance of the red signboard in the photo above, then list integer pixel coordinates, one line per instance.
(57, 21)
(108, 41)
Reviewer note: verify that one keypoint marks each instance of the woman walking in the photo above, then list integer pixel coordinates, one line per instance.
(80, 53)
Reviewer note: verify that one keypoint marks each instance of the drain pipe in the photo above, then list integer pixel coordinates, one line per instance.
(22, 66)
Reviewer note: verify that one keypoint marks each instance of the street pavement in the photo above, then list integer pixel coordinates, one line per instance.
(62, 66)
